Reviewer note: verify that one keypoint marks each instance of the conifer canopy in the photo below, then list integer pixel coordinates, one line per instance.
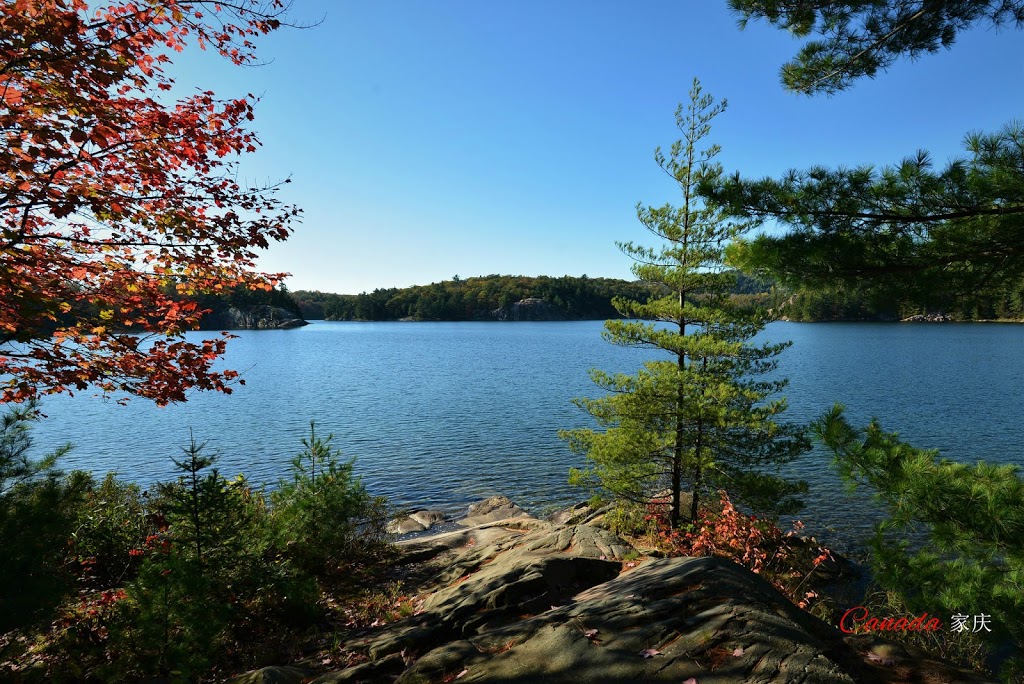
(701, 417)
(858, 38)
(901, 229)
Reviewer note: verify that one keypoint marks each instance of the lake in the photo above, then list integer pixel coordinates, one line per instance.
(441, 414)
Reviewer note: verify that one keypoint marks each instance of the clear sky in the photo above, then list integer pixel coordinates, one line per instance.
(429, 138)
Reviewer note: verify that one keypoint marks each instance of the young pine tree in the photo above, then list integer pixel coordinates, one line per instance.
(699, 419)
(325, 520)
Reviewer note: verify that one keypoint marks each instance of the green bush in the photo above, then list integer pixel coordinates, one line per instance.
(210, 582)
(37, 511)
(325, 520)
(177, 586)
(106, 544)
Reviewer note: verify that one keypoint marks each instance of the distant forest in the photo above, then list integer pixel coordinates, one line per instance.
(1005, 302)
(479, 298)
(584, 298)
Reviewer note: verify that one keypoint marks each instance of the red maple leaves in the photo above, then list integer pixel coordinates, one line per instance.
(115, 206)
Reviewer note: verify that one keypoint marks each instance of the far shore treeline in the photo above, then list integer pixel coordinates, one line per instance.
(473, 299)
(482, 298)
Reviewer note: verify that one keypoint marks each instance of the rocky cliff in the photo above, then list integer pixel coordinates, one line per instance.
(262, 317)
(531, 309)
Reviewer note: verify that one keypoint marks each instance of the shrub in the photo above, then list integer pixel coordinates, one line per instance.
(106, 544)
(210, 572)
(37, 510)
(210, 581)
(784, 559)
(324, 518)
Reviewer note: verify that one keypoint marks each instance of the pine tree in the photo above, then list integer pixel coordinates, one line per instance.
(907, 230)
(700, 418)
(856, 39)
(953, 538)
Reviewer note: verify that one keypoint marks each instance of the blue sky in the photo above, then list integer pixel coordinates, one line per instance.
(429, 138)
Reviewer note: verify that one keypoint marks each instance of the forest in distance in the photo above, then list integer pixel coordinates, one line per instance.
(584, 298)
(486, 297)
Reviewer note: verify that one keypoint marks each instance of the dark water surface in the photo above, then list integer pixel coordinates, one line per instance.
(440, 414)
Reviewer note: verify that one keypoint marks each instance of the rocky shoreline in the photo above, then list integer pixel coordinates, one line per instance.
(506, 597)
(260, 317)
(928, 318)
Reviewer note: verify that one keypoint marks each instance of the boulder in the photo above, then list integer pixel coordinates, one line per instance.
(428, 518)
(416, 521)
(524, 600)
(668, 620)
(490, 510)
(492, 575)
(572, 515)
(937, 317)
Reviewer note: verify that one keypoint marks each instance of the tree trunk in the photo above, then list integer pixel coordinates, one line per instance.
(677, 448)
(696, 496)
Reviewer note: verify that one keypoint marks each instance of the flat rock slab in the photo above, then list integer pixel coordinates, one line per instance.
(668, 620)
(523, 600)
(274, 675)
(579, 540)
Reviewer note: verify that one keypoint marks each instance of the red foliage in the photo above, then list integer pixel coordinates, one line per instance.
(89, 618)
(780, 557)
(116, 204)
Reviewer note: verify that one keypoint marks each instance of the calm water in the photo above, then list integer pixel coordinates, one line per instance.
(440, 414)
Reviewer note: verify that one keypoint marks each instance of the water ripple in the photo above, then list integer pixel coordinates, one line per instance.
(440, 414)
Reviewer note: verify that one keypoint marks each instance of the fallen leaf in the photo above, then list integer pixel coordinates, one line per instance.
(650, 652)
(590, 633)
(691, 680)
(738, 652)
(884, 662)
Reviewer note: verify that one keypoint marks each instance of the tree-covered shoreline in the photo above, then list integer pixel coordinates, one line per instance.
(472, 299)
(491, 298)
(482, 298)
(1005, 304)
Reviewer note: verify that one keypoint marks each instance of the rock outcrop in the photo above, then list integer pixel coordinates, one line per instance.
(928, 318)
(262, 317)
(531, 309)
(526, 600)
(416, 521)
(490, 510)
